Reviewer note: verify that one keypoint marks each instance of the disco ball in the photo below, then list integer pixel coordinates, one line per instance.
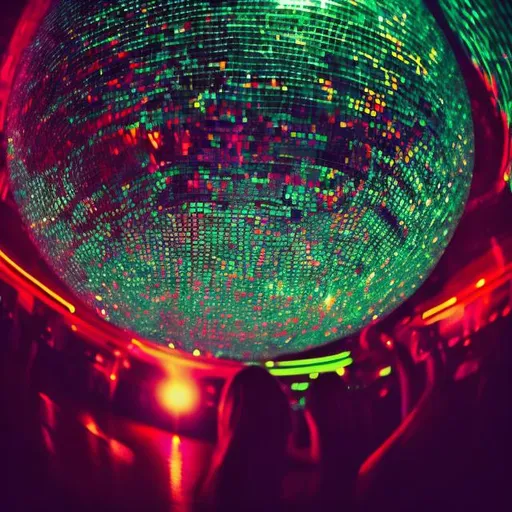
(247, 178)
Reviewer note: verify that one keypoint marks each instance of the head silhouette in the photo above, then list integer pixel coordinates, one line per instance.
(253, 427)
(338, 416)
(330, 403)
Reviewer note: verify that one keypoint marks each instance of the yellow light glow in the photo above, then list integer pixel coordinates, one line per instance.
(444, 305)
(34, 281)
(329, 301)
(176, 470)
(178, 396)
(480, 283)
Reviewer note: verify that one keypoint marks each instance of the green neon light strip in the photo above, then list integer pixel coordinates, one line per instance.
(308, 362)
(300, 386)
(325, 368)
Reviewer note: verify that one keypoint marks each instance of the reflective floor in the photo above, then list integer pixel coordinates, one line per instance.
(61, 456)
(62, 452)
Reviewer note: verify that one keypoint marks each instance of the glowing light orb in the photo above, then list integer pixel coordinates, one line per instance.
(178, 396)
(244, 178)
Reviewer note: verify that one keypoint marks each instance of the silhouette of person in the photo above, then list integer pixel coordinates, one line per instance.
(342, 438)
(250, 459)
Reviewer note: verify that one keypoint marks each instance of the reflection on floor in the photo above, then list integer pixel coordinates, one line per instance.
(66, 451)
(63, 457)
(60, 455)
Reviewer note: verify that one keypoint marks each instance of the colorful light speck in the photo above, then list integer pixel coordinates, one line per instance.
(243, 178)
